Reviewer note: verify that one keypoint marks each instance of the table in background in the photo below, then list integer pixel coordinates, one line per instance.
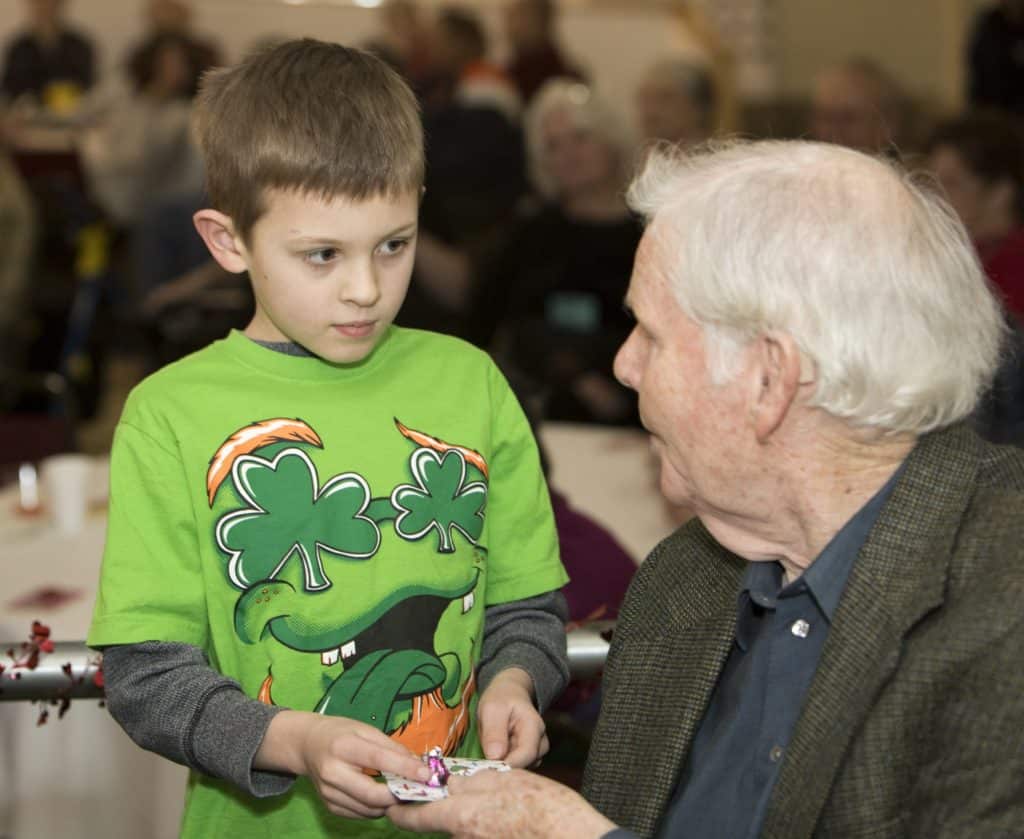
(610, 474)
(79, 777)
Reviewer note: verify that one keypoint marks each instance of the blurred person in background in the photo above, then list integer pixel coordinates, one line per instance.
(857, 104)
(549, 300)
(165, 18)
(404, 41)
(475, 172)
(460, 55)
(49, 60)
(140, 152)
(995, 57)
(533, 44)
(145, 171)
(17, 233)
(978, 159)
(676, 102)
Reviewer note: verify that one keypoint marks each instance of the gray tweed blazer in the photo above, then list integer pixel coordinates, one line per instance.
(914, 723)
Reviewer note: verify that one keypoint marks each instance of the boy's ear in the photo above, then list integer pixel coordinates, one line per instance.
(218, 232)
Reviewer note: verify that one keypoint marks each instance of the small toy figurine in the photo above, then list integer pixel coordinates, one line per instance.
(438, 771)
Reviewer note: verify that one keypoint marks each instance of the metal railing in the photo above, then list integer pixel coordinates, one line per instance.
(69, 670)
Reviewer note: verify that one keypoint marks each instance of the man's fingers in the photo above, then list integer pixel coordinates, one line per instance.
(421, 818)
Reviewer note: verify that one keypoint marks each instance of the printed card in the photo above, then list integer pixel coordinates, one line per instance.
(405, 790)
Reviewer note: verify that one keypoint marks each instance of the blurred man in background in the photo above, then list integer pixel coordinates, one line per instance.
(857, 104)
(676, 102)
(995, 57)
(49, 60)
(535, 53)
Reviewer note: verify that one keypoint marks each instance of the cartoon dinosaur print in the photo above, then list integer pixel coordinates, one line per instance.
(401, 659)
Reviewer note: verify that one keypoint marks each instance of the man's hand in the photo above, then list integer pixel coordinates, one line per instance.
(332, 752)
(508, 723)
(517, 803)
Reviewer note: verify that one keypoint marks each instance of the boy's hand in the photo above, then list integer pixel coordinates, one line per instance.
(332, 752)
(510, 727)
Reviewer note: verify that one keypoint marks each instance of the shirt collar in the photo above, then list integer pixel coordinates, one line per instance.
(826, 577)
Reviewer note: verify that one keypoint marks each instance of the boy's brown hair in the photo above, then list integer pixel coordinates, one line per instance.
(308, 116)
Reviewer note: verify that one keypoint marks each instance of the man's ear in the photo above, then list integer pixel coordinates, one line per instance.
(776, 379)
(218, 232)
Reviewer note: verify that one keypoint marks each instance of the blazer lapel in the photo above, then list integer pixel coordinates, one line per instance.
(666, 671)
(899, 576)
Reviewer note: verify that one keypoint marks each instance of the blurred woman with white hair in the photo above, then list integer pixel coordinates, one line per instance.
(550, 301)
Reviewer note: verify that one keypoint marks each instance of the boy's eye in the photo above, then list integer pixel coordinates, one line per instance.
(321, 256)
(393, 247)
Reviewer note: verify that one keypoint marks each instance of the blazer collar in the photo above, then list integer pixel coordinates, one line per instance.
(899, 576)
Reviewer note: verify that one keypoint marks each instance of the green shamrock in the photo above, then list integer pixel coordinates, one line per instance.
(290, 514)
(440, 501)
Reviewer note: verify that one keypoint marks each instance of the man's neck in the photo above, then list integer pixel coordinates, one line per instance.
(791, 516)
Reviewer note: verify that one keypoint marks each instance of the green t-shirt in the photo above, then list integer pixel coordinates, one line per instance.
(330, 535)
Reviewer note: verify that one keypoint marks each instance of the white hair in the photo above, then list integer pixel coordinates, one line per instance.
(587, 110)
(871, 274)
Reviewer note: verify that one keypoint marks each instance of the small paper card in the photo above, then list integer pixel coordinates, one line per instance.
(405, 790)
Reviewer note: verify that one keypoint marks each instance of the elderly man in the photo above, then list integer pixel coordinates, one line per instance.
(832, 646)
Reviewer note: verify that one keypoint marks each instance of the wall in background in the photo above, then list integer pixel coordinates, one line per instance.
(919, 41)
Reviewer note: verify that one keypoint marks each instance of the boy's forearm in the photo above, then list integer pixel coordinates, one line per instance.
(281, 749)
(528, 634)
(170, 701)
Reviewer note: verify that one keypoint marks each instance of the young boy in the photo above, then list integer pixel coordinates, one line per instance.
(324, 513)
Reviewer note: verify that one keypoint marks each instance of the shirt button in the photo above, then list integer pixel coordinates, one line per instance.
(775, 755)
(800, 628)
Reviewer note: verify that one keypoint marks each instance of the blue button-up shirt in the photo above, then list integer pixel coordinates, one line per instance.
(734, 761)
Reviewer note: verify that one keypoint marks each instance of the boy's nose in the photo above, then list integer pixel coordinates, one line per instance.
(360, 286)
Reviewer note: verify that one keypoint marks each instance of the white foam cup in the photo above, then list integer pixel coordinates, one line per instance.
(66, 481)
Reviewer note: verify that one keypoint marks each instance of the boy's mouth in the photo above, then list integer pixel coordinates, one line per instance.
(356, 329)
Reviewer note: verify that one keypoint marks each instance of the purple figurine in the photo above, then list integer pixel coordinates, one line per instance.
(438, 771)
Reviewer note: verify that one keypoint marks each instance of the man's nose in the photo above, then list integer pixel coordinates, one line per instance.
(625, 363)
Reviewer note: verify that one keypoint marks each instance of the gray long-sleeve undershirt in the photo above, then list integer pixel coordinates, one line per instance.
(170, 700)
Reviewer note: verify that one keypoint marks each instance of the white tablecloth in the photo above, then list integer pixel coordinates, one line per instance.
(79, 777)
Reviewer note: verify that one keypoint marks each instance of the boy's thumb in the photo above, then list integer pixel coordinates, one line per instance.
(494, 749)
